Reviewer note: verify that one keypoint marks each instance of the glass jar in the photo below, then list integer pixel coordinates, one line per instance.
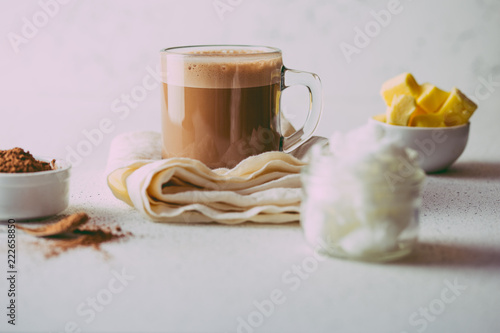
(365, 213)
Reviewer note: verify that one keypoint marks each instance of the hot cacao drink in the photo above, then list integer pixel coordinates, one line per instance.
(221, 106)
(221, 103)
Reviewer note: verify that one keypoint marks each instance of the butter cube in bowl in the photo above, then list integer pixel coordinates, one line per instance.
(438, 147)
(427, 119)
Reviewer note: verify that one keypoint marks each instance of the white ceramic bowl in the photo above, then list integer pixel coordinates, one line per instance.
(33, 195)
(438, 147)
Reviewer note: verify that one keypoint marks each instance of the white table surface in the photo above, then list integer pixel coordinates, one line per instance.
(202, 278)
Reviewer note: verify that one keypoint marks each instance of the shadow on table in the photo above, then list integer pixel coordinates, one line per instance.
(37, 221)
(471, 170)
(429, 254)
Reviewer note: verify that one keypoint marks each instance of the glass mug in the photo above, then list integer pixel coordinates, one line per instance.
(221, 103)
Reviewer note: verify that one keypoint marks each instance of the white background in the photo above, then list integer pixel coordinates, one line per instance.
(66, 75)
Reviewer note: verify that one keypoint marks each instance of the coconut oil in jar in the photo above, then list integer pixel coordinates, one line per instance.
(361, 197)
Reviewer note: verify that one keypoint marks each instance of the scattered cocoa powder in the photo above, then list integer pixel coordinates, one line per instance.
(84, 237)
(64, 225)
(73, 232)
(16, 160)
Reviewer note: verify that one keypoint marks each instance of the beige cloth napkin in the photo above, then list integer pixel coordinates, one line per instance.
(263, 188)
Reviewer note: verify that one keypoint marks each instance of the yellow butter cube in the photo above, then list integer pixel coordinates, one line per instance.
(420, 118)
(403, 84)
(457, 109)
(431, 97)
(418, 112)
(380, 117)
(402, 107)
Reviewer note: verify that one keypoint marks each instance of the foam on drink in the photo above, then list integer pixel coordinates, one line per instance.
(223, 69)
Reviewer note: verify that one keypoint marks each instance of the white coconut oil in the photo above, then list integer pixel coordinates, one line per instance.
(361, 197)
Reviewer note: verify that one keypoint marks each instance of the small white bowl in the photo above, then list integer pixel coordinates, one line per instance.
(34, 195)
(438, 147)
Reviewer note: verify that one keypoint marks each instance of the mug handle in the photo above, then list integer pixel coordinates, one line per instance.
(291, 77)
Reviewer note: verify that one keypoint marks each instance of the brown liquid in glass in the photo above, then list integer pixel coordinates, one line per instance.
(220, 126)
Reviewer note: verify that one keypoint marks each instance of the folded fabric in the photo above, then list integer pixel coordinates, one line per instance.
(263, 188)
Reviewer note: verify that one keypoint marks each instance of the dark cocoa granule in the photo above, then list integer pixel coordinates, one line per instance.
(16, 160)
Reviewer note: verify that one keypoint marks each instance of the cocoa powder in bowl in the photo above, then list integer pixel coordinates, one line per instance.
(16, 160)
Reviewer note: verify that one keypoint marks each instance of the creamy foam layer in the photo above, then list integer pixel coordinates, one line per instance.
(227, 51)
(222, 69)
